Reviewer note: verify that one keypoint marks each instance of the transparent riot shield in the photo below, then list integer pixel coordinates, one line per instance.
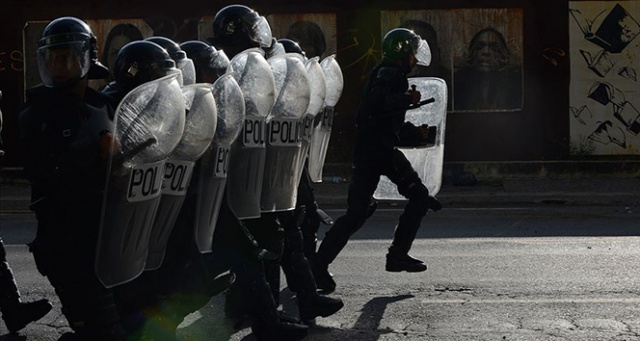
(282, 167)
(248, 152)
(148, 126)
(200, 126)
(214, 164)
(427, 161)
(318, 89)
(324, 121)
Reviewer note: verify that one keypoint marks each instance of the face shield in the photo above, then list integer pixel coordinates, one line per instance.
(421, 51)
(188, 71)
(261, 31)
(220, 63)
(63, 59)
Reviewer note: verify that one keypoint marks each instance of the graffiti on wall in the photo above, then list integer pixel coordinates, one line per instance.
(478, 52)
(605, 89)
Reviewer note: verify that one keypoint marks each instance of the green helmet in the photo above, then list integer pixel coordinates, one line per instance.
(398, 43)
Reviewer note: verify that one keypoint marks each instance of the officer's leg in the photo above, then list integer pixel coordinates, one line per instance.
(88, 306)
(361, 189)
(16, 314)
(299, 275)
(311, 221)
(411, 187)
(252, 285)
(269, 235)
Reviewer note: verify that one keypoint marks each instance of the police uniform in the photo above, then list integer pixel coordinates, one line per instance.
(381, 127)
(63, 162)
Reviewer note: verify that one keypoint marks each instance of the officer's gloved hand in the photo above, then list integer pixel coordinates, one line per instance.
(427, 135)
(415, 95)
(109, 145)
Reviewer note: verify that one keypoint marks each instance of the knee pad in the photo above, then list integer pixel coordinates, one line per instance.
(418, 196)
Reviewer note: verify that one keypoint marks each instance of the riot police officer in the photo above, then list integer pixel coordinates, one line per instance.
(312, 215)
(15, 313)
(381, 126)
(63, 129)
(237, 28)
(151, 61)
(137, 63)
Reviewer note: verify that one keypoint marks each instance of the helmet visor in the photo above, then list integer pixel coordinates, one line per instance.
(63, 63)
(261, 32)
(421, 51)
(188, 71)
(220, 63)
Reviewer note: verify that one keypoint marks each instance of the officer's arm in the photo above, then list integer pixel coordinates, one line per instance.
(388, 91)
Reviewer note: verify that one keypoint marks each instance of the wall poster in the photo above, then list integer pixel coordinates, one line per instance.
(478, 52)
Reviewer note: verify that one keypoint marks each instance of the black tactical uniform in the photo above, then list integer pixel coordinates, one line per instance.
(381, 127)
(63, 127)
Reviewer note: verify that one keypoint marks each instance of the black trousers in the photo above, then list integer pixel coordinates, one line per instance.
(369, 166)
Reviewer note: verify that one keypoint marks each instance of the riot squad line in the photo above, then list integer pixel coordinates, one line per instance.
(190, 175)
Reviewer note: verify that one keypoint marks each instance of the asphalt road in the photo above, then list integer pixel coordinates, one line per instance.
(541, 272)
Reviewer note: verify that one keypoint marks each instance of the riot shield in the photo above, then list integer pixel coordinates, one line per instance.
(324, 121)
(214, 164)
(317, 85)
(427, 161)
(200, 126)
(282, 167)
(246, 164)
(148, 126)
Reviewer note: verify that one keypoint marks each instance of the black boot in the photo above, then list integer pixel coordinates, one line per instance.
(17, 314)
(398, 258)
(17, 317)
(397, 262)
(318, 306)
(267, 325)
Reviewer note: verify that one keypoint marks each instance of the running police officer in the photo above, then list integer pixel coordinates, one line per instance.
(381, 126)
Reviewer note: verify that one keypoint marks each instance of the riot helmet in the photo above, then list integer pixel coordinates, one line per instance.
(141, 61)
(184, 64)
(399, 43)
(210, 63)
(68, 52)
(237, 28)
(291, 46)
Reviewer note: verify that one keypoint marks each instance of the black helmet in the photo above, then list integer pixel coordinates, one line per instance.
(291, 46)
(237, 28)
(206, 59)
(183, 63)
(65, 38)
(141, 61)
(398, 43)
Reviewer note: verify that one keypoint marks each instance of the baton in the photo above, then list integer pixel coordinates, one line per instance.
(421, 103)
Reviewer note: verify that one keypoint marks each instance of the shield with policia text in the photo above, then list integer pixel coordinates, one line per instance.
(282, 167)
(318, 89)
(199, 129)
(214, 164)
(324, 120)
(426, 160)
(148, 125)
(246, 163)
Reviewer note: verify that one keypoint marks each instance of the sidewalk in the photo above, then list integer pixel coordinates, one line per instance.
(518, 191)
(583, 190)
